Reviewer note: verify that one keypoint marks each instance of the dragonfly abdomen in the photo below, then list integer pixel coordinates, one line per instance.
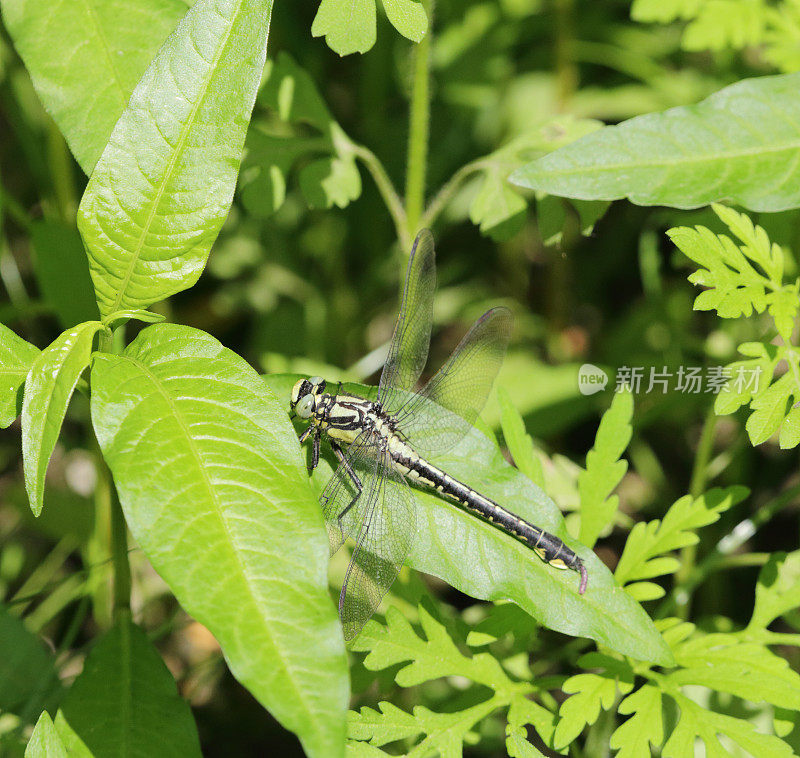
(548, 547)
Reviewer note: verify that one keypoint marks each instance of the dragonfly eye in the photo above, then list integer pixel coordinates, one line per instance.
(305, 406)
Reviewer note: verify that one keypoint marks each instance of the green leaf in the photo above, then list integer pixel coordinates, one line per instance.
(770, 409)
(62, 272)
(738, 145)
(591, 692)
(349, 26)
(745, 669)
(16, 358)
(643, 556)
(45, 742)
(278, 143)
(118, 317)
(778, 589)
(604, 469)
(643, 728)
(483, 562)
(698, 723)
(125, 702)
(48, 389)
(521, 713)
(28, 677)
(519, 443)
(162, 188)
(85, 59)
(206, 463)
(747, 377)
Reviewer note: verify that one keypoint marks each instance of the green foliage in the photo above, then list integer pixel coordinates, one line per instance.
(48, 388)
(45, 742)
(125, 700)
(74, 43)
(275, 145)
(517, 440)
(604, 469)
(229, 480)
(778, 589)
(731, 24)
(163, 185)
(16, 358)
(349, 26)
(427, 658)
(731, 147)
(742, 280)
(645, 554)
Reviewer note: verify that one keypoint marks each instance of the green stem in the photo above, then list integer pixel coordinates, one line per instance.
(566, 70)
(387, 191)
(119, 552)
(697, 485)
(445, 194)
(419, 123)
(61, 172)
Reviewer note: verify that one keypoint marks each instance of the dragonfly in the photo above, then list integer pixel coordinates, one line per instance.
(384, 446)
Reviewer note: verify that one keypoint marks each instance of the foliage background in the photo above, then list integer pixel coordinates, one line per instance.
(314, 290)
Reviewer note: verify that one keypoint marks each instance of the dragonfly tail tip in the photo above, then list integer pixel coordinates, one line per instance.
(584, 579)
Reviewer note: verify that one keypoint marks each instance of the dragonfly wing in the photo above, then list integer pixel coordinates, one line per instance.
(347, 493)
(385, 538)
(436, 418)
(408, 351)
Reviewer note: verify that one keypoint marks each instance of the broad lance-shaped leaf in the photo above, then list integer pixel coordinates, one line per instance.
(738, 145)
(483, 562)
(207, 469)
(125, 702)
(48, 389)
(85, 58)
(16, 358)
(163, 186)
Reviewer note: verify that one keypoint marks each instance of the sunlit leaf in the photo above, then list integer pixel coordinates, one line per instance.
(163, 185)
(45, 742)
(16, 358)
(48, 389)
(739, 145)
(85, 59)
(206, 465)
(778, 589)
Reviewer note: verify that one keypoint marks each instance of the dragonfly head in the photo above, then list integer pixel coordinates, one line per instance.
(305, 394)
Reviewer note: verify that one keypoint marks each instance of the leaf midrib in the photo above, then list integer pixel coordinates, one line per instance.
(92, 13)
(137, 251)
(214, 499)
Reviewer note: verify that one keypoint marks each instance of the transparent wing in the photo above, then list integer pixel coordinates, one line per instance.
(342, 501)
(387, 531)
(408, 351)
(436, 418)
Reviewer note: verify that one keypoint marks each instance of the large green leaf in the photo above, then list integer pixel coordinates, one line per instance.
(481, 561)
(48, 389)
(85, 58)
(208, 473)
(16, 358)
(125, 702)
(163, 186)
(739, 145)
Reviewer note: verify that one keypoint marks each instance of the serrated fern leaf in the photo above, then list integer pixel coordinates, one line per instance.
(644, 554)
(604, 469)
(643, 728)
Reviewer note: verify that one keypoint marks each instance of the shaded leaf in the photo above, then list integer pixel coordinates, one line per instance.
(162, 188)
(778, 589)
(86, 58)
(519, 443)
(48, 389)
(206, 463)
(738, 145)
(16, 358)
(125, 702)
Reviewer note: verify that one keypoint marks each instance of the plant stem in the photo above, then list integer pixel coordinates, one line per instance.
(419, 122)
(387, 191)
(445, 194)
(697, 485)
(566, 70)
(119, 552)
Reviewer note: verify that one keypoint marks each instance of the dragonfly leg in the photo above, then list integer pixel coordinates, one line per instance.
(315, 452)
(302, 438)
(339, 453)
